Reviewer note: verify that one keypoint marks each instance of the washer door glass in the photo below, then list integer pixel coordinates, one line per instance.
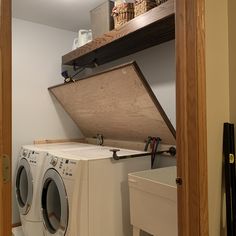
(54, 202)
(24, 186)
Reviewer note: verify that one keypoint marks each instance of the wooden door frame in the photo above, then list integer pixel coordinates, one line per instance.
(191, 116)
(5, 114)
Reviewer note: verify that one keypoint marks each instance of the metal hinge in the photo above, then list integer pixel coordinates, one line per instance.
(100, 139)
(6, 170)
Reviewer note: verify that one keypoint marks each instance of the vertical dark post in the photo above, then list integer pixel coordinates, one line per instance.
(233, 177)
(230, 181)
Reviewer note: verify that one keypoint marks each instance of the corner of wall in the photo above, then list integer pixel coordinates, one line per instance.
(217, 83)
(232, 58)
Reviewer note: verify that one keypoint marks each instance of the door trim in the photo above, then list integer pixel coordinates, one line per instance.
(191, 118)
(5, 114)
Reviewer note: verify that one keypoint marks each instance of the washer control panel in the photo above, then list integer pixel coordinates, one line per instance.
(66, 167)
(31, 156)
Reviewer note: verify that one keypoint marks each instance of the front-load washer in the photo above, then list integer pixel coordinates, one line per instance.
(85, 193)
(28, 180)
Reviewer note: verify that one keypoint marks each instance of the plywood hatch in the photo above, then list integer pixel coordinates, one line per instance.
(117, 103)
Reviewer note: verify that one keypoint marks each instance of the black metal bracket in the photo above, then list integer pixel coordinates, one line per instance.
(171, 151)
(117, 158)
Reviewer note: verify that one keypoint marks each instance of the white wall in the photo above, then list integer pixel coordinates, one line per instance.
(37, 51)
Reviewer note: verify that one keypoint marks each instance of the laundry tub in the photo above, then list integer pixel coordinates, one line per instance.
(153, 202)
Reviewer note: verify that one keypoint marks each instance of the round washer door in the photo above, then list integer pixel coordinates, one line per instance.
(54, 203)
(24, 186)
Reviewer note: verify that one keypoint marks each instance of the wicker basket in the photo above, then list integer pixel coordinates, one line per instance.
(123, 13)
(142, 6)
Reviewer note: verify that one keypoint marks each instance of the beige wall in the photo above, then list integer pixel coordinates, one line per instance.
(217, 72)
(232, 59)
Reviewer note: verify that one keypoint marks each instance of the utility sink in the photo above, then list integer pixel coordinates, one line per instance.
(153, 201)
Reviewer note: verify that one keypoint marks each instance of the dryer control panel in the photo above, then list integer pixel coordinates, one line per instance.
(66, 167)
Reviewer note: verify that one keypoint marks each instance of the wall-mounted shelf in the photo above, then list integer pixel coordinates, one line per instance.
(154, 27)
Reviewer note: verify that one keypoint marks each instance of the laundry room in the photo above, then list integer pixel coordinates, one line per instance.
(94, 118)
(117, 118)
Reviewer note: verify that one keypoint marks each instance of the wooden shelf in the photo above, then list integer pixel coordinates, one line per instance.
(154, 27)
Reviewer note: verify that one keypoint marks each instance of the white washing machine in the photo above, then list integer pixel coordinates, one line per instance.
(85, 193)
(28, 181)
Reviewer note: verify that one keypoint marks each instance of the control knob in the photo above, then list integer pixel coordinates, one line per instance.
(54, 161)
(24, 153)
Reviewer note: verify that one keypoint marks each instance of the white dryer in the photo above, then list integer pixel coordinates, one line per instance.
(85, 193)
(28, 181)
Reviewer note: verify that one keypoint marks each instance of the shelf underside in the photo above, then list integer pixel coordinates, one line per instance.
(152, 28)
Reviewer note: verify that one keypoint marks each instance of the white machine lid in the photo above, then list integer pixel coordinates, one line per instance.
(96, 153)
(117, 103)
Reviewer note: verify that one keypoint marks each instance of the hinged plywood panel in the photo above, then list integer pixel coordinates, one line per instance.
(117, 103)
